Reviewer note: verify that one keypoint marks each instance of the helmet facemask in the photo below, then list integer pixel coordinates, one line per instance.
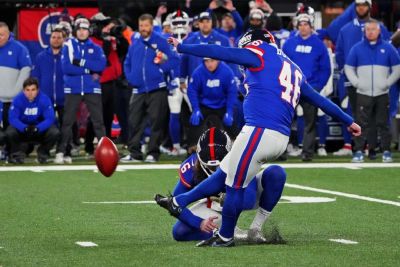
(180, 24)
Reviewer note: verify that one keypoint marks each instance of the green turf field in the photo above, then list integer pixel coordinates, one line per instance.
(42, 215)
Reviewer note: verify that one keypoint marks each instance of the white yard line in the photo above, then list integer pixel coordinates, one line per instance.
(353, 167)
(337, 193)
(284, 200)
(344, 241)
(121, 202)
(125, 167)
(86, 244)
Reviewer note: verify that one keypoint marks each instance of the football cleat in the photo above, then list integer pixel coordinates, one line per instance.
(216, 241)
(256, 236)
(240, 235)
(168, 204)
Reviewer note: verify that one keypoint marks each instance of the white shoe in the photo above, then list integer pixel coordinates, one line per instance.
(59, 159)
(322, 152)
(67, 159)
(343, 152)
(256, 236)
(177, 152)
(129, 159)
(150, 159)
(289, 148)
(164, 150)
(75, 150)
(295, 152)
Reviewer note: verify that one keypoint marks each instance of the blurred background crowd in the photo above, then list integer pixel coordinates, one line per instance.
(92, 69)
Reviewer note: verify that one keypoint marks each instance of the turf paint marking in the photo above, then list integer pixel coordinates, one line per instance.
(300, 200)
(353, 167)
(284, 200)
(86, 244)
(125, 167)
(344, 241)
(336, 193)
(121, 202)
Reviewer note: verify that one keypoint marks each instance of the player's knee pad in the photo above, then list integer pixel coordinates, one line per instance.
(273, 176)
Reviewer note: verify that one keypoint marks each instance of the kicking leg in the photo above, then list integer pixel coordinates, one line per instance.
(208, 187)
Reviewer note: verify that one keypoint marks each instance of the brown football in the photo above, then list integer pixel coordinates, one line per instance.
(106, 156)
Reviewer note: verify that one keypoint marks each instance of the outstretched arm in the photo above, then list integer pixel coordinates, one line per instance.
(239, 56)
(311, 96)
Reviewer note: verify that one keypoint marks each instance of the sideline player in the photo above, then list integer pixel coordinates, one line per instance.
(198, 222)
(274, 85)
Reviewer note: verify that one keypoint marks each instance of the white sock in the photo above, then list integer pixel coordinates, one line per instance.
(260, 218)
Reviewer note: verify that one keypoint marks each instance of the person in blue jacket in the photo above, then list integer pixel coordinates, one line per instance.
(15, 67)
(48, 70)
(212, 94)
(348, 36)
(311, 55)
(31, 120)
(205, 35)
(149, 60)
(82, 62)
(373, 66)
(231, 21)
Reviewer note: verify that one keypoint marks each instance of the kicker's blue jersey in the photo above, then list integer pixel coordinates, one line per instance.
(273, 89)
(186, 173)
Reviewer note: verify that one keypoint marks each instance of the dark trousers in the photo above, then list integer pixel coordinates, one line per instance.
(6, 107)
(2, 137)
(72, 101)
(352, 93)
(107, 98)
(212, 118)
(372, 132)
(154, 107)
(310, 118)
(46, 139)
(121, 104)
(373, 110)
(75, 133)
